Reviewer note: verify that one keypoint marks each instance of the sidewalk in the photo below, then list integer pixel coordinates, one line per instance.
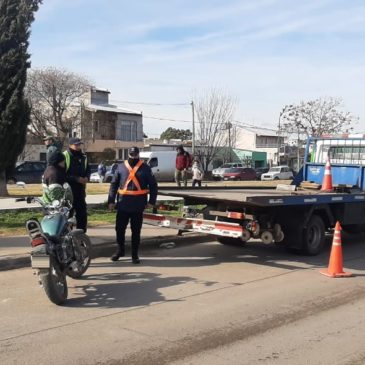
(10, 204)
(15, 250)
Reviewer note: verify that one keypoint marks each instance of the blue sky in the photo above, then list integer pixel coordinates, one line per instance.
(264, 53)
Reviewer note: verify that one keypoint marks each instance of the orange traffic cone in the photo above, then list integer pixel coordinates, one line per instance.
(327, 178)
(335, 268)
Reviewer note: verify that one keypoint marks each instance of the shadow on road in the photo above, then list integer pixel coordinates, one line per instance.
(124, 290)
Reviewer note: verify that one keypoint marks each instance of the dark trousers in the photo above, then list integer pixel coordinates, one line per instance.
(199, 182)
(135, 219)
(79, 205)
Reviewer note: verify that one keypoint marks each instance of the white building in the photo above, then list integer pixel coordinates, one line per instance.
(259, 139)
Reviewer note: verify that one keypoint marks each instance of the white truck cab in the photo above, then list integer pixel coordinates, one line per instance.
(162, 163)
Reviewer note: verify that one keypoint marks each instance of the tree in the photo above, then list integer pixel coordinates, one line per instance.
(317, 117)
(16, 17)
(214, 113)
(55, 97)
(173, 133)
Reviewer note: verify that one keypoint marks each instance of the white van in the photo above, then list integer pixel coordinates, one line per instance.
(162, 164)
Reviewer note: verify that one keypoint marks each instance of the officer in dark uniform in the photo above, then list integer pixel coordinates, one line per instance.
(133, 181)
(78, 175)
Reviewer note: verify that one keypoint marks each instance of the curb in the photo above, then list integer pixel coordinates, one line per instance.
(106, 249)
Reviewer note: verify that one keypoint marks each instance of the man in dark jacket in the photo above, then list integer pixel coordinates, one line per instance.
(78, 175)
(54, 179)
(133, 181)
(52, 147)
(55, 172)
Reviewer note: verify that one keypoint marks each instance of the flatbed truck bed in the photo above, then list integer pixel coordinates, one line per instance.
(292, 216)
(239, 197)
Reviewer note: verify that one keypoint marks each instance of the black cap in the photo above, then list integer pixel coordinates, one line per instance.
(133, 151)
(75, 140)
(56, 158)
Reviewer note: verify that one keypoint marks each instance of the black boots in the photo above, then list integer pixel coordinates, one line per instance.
(119, 253)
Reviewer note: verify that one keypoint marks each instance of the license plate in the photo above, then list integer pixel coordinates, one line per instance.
(40, 262)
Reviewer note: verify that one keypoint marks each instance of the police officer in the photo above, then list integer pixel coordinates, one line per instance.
(132, 181)
(77, 175)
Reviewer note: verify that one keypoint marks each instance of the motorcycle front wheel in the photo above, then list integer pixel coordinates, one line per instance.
(82, 249)
(54, 283)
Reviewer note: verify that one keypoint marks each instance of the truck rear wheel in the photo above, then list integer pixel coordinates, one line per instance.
(313, 236)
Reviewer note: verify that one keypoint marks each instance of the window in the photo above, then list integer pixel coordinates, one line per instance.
(153, 162)
(126, 130)
(339, 151)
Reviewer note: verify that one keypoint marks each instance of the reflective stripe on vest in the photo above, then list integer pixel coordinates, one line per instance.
(68, 160)
(132, 177)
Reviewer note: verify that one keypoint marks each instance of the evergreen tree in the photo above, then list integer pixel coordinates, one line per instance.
(173, 133)
(16, 17)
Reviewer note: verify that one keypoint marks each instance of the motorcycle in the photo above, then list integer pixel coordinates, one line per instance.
(58, 250)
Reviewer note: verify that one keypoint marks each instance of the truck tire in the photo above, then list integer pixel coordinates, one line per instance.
(313, 236)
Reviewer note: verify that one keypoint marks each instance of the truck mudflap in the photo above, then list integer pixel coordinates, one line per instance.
(216, 228)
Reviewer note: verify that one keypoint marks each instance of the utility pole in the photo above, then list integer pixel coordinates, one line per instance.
(279, 142)
(298, 151)
(229, 142)
(193, 131)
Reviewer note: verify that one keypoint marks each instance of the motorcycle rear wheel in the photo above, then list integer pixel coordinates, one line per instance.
(54, 283)
(82, 247)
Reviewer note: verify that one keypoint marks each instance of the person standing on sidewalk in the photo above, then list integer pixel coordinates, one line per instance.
(52, 147)
(197, 173)
(78, 175)
(133, 181)
(183, 162)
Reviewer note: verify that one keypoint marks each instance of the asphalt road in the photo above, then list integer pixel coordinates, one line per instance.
(194, 304)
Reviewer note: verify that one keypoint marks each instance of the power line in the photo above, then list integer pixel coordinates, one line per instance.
(168, 119)
(149, 103)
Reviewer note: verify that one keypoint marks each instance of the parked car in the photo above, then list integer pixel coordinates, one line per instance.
(30, 172)
(260, 171)
(278, 173)
(239, 173)
(217, 173)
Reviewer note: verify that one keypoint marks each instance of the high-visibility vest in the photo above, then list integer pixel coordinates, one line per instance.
(132, 177)
(67, 155)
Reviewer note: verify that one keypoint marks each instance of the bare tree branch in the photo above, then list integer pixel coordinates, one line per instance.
(214, 113)
(54, 96)
(317, 117)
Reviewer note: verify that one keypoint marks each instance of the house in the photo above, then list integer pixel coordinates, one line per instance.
(106, 130)
(260, 139)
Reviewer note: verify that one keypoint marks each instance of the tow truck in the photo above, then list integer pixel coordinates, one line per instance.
(296, 216)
